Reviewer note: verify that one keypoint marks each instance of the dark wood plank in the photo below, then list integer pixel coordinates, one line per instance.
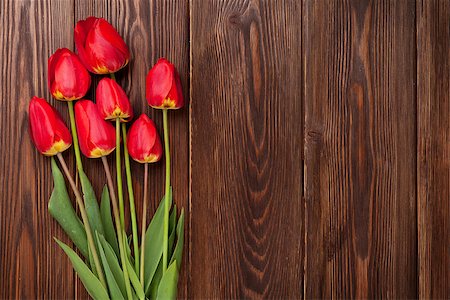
(151, 29)
(31, 264)
(433, 102)
(360, 149)
(246, 150)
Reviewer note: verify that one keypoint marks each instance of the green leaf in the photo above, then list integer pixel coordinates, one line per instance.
(91, 204)
(172, 226)
(113, 286)
(178, 252)
(114, 265)
(154, 243)
(153, 290)
(135, 281)
(91, 283)
(173, 218)
(127, 248)
(168, 287)
(61, 209)
(92, 263)
(107, 222)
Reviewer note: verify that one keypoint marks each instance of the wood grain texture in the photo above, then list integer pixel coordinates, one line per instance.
(312, 159)
(31, 265)
(433, 157)
(360, 145)
(246, 150)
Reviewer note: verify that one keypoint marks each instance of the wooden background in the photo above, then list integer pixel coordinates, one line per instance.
(313, 158)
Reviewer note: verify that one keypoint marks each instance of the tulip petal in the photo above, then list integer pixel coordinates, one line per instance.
(51, 67)
(100, 46)
(107, 32)
(80, 34)
(112, 101)
(174, 98)
(97, 137)
(144, 143)
(159, 81)
(41, 124)
(60, 129)
(83, 128)
(179, 89)
(65, 69)
(68, 79)
(106, 48)
(61, 209)
(101, 136)
(91, 283)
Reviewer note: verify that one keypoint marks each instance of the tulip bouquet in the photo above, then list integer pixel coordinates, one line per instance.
(111, 264)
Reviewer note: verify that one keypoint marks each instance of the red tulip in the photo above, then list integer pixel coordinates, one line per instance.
(100, 47)
(112, 102)
(47, 130)
(68, 79)
(144, 144)
(97, 137)
(163, 86)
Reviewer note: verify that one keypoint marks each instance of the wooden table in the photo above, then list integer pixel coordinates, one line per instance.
(313, 158)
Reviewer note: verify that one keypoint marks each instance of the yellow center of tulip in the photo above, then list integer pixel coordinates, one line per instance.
(101, 70)
(58, 95)
(57, 147)
(167, 103)
(151, 158)
(118, 113)
(97, 152)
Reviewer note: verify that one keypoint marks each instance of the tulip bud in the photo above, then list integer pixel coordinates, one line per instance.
(144, 144)
(112, 102)
(97, 137)
(100, 47)
(163, 87)
(47, 130)
(68, 79)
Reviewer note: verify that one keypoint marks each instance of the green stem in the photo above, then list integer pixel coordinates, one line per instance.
(131, 199)
(113, 77)
(85, 219)
(75, 136)
(119, 175)
(166, 197)
(119, 230)
(144, 223)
